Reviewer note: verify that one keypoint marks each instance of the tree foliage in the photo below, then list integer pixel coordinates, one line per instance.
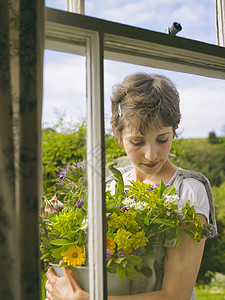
(212, 138)
(200, 155)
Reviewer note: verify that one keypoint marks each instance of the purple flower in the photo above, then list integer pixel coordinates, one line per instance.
(138, 251)
(62, 175)
(209, 231)
(79, 164)
(108, 254)
(151, 188)
(126, 191)
(121, 254)
(123, 208)
(108, 216)
(79, 203)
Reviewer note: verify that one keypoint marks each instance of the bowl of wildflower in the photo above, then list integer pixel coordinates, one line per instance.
(139, 218)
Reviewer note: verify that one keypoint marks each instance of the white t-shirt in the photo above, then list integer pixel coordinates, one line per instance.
(191, 189)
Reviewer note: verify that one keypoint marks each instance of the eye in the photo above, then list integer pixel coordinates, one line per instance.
(137, 142)
(162, 141)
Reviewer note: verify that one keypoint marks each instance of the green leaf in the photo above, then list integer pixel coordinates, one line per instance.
(43, 282)
(119, 186)
(124, 263)
(146, 271)
(63, 265)
(171, 190)
(121, 272)
(171, 234)
(61, 242)
(119, 260)
(112, 267)
(129, 267)
(56, 253)
(134, 260)
(110, 204)
(162, 188)
(132, 275)
(146, 220)
(168, 222)
(46, 255)
(179, 236)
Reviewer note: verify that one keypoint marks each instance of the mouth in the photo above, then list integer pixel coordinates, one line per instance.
(151, 165)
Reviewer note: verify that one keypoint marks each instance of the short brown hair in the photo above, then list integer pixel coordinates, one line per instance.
(145, 101)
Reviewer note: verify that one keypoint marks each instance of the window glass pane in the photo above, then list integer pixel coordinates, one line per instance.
(64, 88)
(64, 160)
(197, 18)
(57, 4)
(202, 98)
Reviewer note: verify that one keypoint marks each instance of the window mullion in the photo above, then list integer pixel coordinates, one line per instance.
(96, 168)
(75, 6)
(220, 21)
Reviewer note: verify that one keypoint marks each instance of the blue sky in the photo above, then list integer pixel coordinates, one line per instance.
(202, 99)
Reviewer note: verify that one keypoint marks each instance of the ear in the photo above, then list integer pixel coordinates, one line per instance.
(118, 136)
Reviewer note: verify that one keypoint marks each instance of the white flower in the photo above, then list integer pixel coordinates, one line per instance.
(172, 198)
(175, 200)
(84, 225)
(131, 203)
(54, 202)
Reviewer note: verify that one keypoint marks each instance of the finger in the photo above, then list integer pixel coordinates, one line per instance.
(69, 274)
(66, 270)
(61, 262)
(48, 296)
(48, 286)
(51, 274)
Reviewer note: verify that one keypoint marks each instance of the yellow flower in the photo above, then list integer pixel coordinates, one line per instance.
(110, 245)
(74, 256)
(123, 239)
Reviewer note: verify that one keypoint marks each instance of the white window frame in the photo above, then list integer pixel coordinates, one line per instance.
(220, 22)
(99, 39)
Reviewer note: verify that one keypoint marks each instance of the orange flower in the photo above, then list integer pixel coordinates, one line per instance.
(110, 245)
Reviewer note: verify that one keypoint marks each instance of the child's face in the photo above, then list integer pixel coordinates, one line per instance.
(148, 153)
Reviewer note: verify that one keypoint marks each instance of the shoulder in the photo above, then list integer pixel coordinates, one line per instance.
(190, 179)
(195, 191)
(195, 187)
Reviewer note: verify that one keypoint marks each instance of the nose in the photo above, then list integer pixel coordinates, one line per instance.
(150, 152)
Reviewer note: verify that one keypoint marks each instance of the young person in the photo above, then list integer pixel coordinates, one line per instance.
(145, 117)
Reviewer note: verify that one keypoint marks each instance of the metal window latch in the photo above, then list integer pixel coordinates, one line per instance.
(176, 27)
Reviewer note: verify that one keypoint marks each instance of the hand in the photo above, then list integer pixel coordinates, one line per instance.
(63, 288)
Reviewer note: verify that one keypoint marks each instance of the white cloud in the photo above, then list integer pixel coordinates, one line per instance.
(59, 4)
(203, 109)
(197, 17)
(64, 88)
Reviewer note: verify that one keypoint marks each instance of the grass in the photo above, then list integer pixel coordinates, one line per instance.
(215, 291)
